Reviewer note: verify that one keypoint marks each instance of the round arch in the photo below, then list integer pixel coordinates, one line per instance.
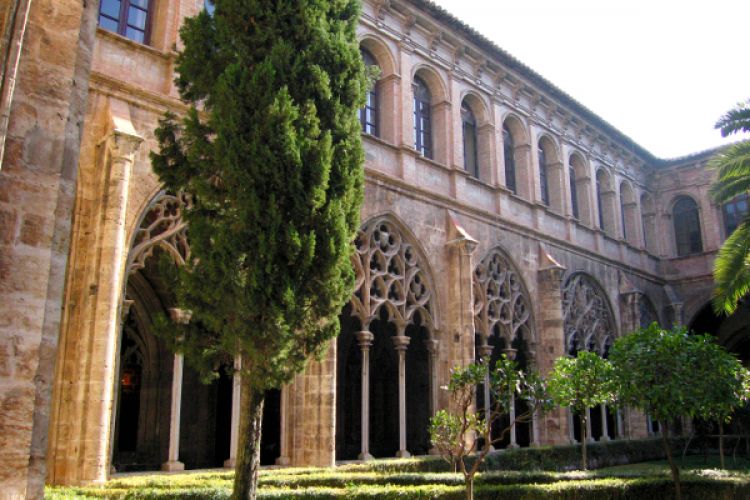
(382, 54)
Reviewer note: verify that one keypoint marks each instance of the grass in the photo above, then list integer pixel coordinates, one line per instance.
(393, 479)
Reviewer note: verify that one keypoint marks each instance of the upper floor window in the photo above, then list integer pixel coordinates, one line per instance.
(543, 184)
(599, 201)
(129, 18)
(573, 191)
(422, 118)
(471, 163)
(368, 115)
(687, 226)
(510, 160)
(735, 213)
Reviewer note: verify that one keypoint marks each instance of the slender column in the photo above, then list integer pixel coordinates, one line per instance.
(589, 438)
(401, 343)
(513, 443)
(173, 463)
(432, 346)
(365, 338)
(605, 425)
(230, 462)
(620, 426)
(485, 351)
(284, 449)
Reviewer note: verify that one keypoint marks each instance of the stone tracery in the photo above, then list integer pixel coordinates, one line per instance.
(500, 302)
(162, 226)
(588, 321)
(389, 275)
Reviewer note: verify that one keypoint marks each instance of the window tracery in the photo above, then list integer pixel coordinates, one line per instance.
(162, 226)
(588, 321)
(389, 275)
(501, 303)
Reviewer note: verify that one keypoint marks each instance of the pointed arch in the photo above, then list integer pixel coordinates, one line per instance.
(502, 304)
(588, 318)
(392, 271)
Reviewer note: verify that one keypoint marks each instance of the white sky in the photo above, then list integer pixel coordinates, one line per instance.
(660, 71)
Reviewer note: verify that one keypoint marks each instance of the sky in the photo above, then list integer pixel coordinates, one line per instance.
(660, 71)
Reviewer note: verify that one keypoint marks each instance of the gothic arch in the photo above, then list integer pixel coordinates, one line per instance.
(646, 311)
(501, 300)
(392, 272)
(588, 320)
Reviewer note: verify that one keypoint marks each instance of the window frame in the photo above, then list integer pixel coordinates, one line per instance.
(469, 121)
(122, 20)
(573, 192)
(371, 109)
(686, 223)
(543, 178)
(422, 117)
(509, 156)
(737, 215)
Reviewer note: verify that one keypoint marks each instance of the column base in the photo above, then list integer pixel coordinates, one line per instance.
(403, 454)
(229, 463)
(172, 466)
(604, 438)
(512, 446)
(365, 457)
(282, 461)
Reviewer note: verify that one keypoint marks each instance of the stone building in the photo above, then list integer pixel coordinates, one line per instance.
(500, 216)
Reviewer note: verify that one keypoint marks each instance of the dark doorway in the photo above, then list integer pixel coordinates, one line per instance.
(348, 388)
(383, 389)
(270, 441)
(417, 389)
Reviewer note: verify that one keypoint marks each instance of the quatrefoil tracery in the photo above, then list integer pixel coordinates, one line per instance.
(588, 321)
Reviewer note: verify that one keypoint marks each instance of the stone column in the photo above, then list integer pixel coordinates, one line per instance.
(571, 426)
(589, 437)
(511, 354)
(432, 349)
(173, 459)
(485, 351)
(365, 338)
(230, 462)
(401, 343)
(620, 434)
(173, 463)
(605, 425)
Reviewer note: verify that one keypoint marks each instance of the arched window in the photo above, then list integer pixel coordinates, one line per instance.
(648, 222)
(129, 18)
(573, 192)
(368, 115)
(735, 212)
(510, 160)
(469, 123)
(687, 226)
(599, 200)
(543, 178)
(422, 118)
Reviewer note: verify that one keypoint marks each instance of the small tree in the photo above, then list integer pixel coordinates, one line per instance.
(668, 374)
(456, 433)
(271, 155)
(581, 383)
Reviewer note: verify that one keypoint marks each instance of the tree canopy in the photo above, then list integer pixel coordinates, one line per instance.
(270, 153)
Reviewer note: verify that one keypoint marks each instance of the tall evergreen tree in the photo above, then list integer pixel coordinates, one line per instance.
(270, 153)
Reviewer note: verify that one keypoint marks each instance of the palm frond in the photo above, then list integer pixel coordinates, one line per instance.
(735, 120)
(733, 171)
(732, 270)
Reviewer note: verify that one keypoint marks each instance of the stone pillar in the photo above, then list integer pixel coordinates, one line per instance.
(432, 349)
(589, 437)
(571, 426)
(401, 343)
(485, 351)
(365, 338)
(605, 425)
(620, 434)
(556, 428)
(230, 462)
(173, 459)
(513, 443)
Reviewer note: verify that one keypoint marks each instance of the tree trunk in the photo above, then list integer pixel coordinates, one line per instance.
(248, 441)
(721, 444)
(584, 439)
(470, 487)
(672, 465)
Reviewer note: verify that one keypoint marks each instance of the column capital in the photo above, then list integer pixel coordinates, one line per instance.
(510, 352)
(431, 345)
(485, 351)
(401, 342)
(365, 339)
(123, 145)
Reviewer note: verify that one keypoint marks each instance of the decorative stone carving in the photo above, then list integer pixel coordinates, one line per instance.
(389, 275)
(164, 227)
(588, 321)
(500, 300)
(646, 311)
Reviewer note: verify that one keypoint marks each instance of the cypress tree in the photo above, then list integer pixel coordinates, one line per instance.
(269, 153)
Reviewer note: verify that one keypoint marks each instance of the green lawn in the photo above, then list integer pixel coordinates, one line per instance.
(391, 479)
